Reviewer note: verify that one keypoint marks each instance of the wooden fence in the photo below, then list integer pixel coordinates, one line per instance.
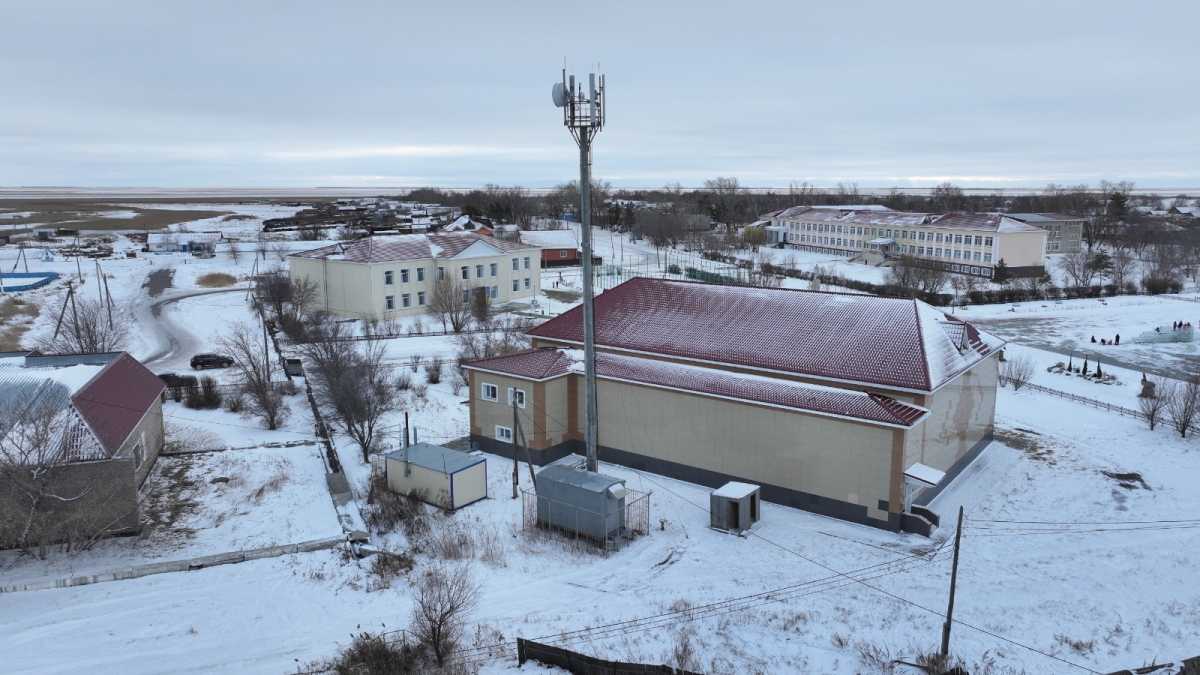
(1120, 410)
(582, 664)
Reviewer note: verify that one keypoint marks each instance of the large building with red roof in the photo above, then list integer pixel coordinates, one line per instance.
(83, 431)
(395, 276)
(841, 404)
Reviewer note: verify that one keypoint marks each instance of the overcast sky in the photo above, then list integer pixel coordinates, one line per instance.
(215, 93)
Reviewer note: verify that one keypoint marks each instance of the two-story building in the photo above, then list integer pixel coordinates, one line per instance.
(389, 277)
(965, 243)
(835, 403)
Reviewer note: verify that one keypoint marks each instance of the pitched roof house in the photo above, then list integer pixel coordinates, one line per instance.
(824, 399)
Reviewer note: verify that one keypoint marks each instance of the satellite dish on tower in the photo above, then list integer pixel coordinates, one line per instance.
(559, 94)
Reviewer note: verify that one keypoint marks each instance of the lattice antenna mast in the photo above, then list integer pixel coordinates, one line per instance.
(583, 115)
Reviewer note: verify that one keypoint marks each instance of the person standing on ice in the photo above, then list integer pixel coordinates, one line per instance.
(1117, 340)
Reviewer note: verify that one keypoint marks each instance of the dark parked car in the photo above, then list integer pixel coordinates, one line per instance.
(201, 361)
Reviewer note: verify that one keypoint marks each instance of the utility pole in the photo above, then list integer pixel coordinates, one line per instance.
(515, 426)
(953, 585)
(583, 115)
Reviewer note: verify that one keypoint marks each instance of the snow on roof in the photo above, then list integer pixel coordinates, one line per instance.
(72, 378)
(407, 247)
(1043, 217)
(173, 237)
(858, 339)
(551, 238)
(547, 364)
(735, 490)
(580, 478)
(1013, 225)
(925, 473)
(435, 458)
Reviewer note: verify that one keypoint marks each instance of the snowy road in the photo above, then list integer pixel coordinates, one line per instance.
(173, 342)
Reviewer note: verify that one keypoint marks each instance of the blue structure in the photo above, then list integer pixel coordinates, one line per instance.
(14, 282)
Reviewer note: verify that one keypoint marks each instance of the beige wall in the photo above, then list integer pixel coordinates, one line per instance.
(470, 485)
(961, 414)
(434, 484)
(1022, 249)
(149, 433)
(825, 456)
(486, 415)
(358, 289)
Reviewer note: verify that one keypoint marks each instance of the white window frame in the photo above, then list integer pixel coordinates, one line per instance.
(493, 268)
(404, 276)
(526, 262)
(504, 434)
(406, 300)
(388, 278)
(420, 298)
(420, 274)
(483, 391)
(389, 302)
(516, 264)
(518, 394)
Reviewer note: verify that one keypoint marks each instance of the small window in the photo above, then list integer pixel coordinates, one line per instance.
(493, 268)
(479, 271)
(420, 298)
(526, 283)
(389, 302)
(420, 274)
(404, 276)
(494, 292)
(987, 241)
(564, 253)
(516, 284)
(526, 262)
(517, 395)
(466, 272)
(516, 264)
(387, 278)
(405, 300)
(488, 391)
(504, 434)
(466, 296)
(441, 273)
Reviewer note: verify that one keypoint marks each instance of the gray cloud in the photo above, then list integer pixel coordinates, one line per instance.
(362, 93)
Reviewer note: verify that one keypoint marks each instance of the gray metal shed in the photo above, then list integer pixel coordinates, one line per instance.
(580, 502)
(734, 507)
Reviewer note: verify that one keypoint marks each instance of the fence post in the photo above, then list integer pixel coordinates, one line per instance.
(521, 658)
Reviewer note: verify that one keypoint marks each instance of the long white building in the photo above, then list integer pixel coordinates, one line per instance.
(388, 277)
(967, 243)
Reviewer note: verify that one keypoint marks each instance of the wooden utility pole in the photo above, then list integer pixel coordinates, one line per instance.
(516, 421)
(406, 443)
(953, 584)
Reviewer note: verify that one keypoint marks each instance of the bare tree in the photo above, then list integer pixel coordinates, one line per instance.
(910, 273)
(353, 383)
(447, 302)
(725, 204)
(41, 500)
(445, 597)
(86, 328)
(1181, 404)
(481, 305)
(235, 255)
(252, 363)
(1123, 263)
(1017, 371)
(1078, 267)
(1153, 406)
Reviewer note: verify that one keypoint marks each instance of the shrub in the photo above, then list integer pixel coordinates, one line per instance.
(204, 397)
(673, 269)
(404, 382)
(235, 403)
(371, 654)
(433, 370)
(414, 362)
(388, 510)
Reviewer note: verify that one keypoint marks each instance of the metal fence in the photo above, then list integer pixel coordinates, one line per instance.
(636, 520)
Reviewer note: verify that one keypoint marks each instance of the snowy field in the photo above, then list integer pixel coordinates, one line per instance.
(1076, 552)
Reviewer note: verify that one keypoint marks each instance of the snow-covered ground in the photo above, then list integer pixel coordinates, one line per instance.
(817, 594)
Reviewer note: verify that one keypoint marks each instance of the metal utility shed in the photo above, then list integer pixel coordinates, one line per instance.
(580, 502)
(734, 507)
(450, 479)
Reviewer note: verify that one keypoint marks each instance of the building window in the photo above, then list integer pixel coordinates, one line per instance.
(516, 284)
(526, 283)
(389, 302)
(404, 276)
(516, 264)
(564, 253)
(504, 434)
(987, 241)
(987, 257)
(441, 273)
(488, 391)
(958, 239)
(1052, 246)
(420, 298)
(493, 268)
(405, 300)
(420, 274)
(479, 271)
(526, 262)
(387, 278)
(466, 272)
(466, 296)
(494, 291)
(939, 238)
(517, 395)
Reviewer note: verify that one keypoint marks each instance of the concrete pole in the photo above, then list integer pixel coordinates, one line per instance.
(589, 320)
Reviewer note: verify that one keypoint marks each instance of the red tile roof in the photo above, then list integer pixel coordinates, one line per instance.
(858, 339)
(116, 399)
(543, 364)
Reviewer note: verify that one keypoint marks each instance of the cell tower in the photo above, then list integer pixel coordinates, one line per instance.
(583, 115)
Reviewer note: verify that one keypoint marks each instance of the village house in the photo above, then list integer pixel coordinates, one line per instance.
(389, 277)
(104, 432)
(559, 247)
(835, 403)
